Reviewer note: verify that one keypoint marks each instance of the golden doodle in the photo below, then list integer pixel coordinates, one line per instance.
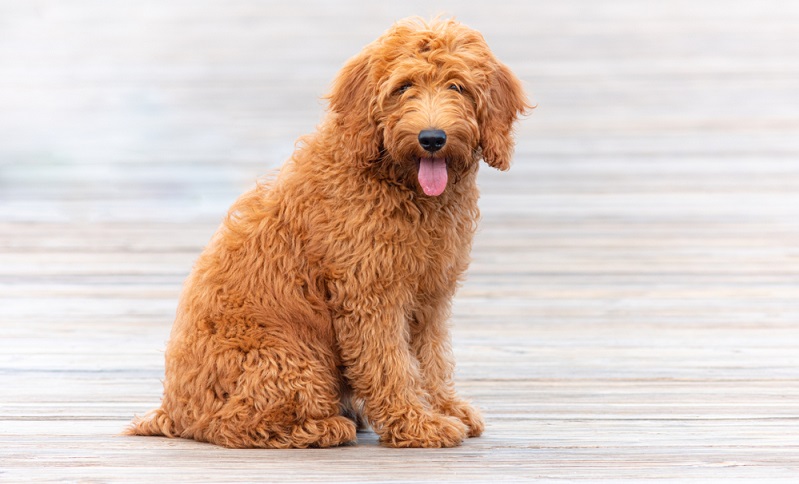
(322, 302)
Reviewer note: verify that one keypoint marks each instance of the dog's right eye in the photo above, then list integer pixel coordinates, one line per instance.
(403, 88)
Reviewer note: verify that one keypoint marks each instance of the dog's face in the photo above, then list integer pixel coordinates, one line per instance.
(427, 102)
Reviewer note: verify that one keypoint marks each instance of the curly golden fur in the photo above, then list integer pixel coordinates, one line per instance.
(323, 298)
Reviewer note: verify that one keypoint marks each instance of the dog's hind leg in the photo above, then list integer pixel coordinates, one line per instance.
(154, 422)
(284, 395)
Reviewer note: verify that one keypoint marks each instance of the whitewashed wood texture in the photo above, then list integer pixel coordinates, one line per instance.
(632, 311)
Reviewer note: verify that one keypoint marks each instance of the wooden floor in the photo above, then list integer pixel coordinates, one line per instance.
(632, 310)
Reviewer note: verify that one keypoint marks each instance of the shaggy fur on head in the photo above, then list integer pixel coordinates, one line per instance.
(323, 298)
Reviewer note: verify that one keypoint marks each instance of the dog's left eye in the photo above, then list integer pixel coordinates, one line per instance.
(403, 88)
(455, 87)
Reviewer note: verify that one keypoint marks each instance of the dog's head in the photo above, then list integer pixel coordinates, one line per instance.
(429, 100)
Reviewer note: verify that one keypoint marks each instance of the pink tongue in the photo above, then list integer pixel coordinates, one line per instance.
(433, 175)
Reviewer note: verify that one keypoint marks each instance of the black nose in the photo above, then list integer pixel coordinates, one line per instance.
(432, 140)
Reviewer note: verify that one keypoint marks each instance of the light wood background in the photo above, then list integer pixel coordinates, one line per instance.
(632, 310)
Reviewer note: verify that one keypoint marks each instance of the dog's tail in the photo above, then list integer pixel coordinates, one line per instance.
(154, 422)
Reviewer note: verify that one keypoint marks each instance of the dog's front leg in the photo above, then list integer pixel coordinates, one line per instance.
(383, 372)
(430, 341)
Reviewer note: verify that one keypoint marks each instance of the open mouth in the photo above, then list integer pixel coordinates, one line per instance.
(433, 175)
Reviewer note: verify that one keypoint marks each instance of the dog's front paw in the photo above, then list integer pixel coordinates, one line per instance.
(426, 430)
(467, 414)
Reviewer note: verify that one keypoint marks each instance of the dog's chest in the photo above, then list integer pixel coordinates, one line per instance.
(398, 242)
(440, 243)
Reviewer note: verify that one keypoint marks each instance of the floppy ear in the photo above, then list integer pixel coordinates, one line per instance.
(502, 105)
(351, 101)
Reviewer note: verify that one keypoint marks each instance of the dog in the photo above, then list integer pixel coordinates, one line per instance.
(322, 301)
